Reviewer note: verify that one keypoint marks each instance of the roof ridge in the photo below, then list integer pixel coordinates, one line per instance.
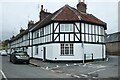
(58, 13)
(79, 17)
(40, 22)
(96, 18)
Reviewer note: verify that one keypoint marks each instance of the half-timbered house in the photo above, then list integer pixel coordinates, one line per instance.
(68, 34)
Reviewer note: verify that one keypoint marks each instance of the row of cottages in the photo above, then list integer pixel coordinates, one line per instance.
(68, 34)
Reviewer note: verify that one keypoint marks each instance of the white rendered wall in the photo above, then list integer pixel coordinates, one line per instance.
(77, 53)
(49, 52)
(95, 49)
(53, 52)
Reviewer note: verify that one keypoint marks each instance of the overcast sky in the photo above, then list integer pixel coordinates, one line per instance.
(15, 14)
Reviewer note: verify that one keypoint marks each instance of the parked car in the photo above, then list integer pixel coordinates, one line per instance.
(20, 56)
(3, 53)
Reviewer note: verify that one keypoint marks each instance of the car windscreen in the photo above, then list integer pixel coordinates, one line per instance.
(21, 53)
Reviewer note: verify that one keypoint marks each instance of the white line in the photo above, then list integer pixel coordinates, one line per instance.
(43, 68)
(84, 75)
(76, 76)
(3, 75)
(68, 74)
(96, 71)
(52, 70)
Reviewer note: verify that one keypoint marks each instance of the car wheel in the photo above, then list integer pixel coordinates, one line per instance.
(14, 62)
(10, 60)
(27, 62)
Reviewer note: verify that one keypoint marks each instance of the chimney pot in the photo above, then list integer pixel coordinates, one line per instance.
(81, 6)
(41, 7)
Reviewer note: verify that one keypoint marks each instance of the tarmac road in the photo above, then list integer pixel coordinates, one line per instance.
(11, 70)
(103, 69)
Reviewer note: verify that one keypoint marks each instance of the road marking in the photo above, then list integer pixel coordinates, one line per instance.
(68, 74)
(3, 75)
(43, 68)
(57, 66)
(96, 71)
(67, 65)
(74, 64)
(76, 76)
(52, 70)
(84, 75)
(47, 67)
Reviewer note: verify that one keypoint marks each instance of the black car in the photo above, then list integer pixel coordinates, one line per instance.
(17, 57)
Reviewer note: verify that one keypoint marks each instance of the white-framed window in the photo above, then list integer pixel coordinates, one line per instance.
(41, 31)
(66, 27)
(37, 33)
(36, 50)
(102, 30)
(66, 49)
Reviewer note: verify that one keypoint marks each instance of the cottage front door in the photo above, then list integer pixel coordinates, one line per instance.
(44, 53)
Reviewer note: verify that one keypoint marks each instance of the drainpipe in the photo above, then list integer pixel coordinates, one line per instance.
(83, 52)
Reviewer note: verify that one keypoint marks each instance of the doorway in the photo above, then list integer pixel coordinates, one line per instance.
(44, 53)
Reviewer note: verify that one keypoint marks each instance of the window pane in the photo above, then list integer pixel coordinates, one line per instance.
(90, 29)
(86, 28)
(102, 31)
(89, 38)
(99, 38)
(66, 27)
(62, 26)
(96, 29)
(93, 31)
(66, 49)
(71, 27)
(102, 39)
(86, 37)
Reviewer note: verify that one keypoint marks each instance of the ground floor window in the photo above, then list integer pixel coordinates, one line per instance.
(36, 50)
(67, 49)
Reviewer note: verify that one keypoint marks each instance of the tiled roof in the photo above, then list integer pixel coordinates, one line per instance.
(65, 13)
(114, 37)
(68, 13)
(23, 33)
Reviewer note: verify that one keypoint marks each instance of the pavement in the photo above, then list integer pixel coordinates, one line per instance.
(95, 70)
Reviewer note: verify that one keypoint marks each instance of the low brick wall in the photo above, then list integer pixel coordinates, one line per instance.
(113, 48)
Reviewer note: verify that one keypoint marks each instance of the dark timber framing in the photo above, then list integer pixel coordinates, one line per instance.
(89, 35)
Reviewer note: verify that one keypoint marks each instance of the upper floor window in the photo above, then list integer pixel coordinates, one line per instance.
(41, 31)
(92, 33)
(36, 34)
(66, 27)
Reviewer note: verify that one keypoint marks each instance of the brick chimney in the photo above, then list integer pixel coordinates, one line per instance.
(21, 30)
(43, 13)
(81, 6)
(30, 23)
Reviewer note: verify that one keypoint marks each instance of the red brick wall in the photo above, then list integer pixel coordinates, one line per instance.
(113, 48)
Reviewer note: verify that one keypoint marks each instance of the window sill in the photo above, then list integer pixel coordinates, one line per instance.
(66, 55)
